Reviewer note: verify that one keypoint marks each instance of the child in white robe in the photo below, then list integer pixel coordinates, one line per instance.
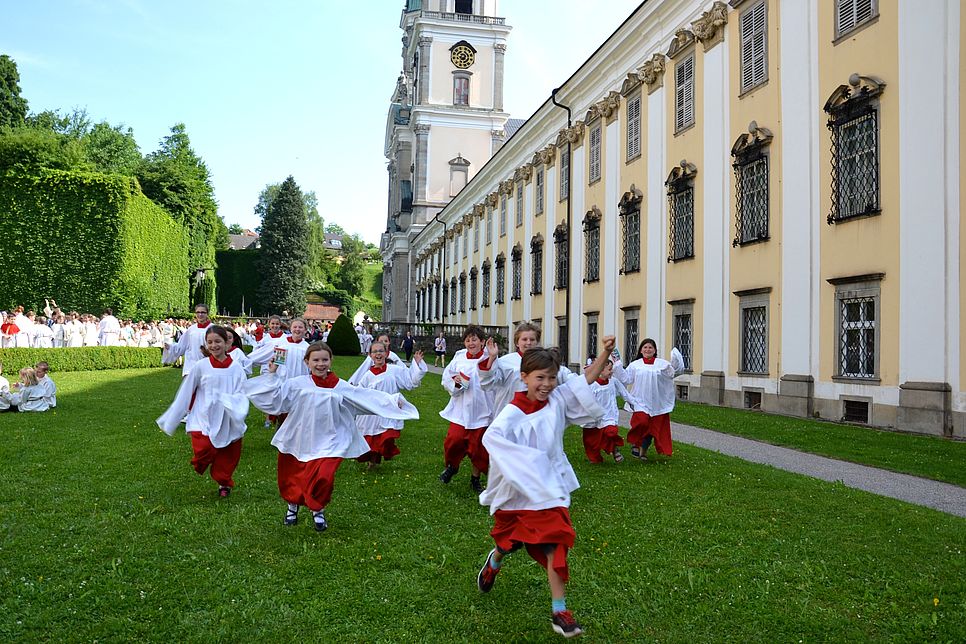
(4, 392)
(60, 332)
(43, 335)
(190, 344)
(46, 384)
(74, 332)
(391, 358)
(650, 385)
(469, 410)
(212, 395)
(286, 352)
(319, 430)
(236, 351)
(90, 331)
(27, 395)
(603, 435)
(381, 433)
(530, 478)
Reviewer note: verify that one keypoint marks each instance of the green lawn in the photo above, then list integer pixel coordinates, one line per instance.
(926, 456)
(107, 534)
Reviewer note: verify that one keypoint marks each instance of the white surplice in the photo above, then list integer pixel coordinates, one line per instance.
(392, 358)
(220, 405)
(391, 381)
(470, 405)
(650, 387)
(188, 345)
(503, 379)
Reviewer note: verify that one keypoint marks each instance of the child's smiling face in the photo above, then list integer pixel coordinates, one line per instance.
(319, 363)
(540, 383)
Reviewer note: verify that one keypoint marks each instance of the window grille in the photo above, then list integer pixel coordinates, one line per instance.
(754, 46)
(682, 337)
(465, 242)
(855, 166)
(684, 93)
(592, 347)
(500, 279)
(561, 256)
(476, 234)
(489, 225)
(463, 293)
(752, 399)
(474, 282)
(502, 216)
(682, 224)
(631, 238)
(564, 173)
(751, 195)
(633, 128)
(563, 340)
(855, 411)
(536, 257)
(538, 197)
(850, 14)
(517, 268)
(486, 286)
(452, 294)
(857, 337)
(445, 300)
(591, 247)
(594, 174)
(754, 345)
(519, 209)
(630, 338)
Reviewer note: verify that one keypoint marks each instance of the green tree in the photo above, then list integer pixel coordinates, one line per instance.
(321, 265)
(284, 252)
(178, 180)
(13, 107)
(112, 149)
(351, 275)
(26, 150)
(235, 229)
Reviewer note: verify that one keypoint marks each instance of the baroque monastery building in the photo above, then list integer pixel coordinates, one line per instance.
(772, 186)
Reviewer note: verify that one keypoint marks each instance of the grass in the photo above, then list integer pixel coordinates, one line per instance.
(926, 456)
(108, 535)
(370, 300)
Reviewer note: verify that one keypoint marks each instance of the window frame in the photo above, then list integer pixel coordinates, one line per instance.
(679, 310)
(748, 301)
(500, 290)
(595, 149)
(592, 237)
(519, 207)
(461, 77)
(631, 314)
(746, 49)
(536, 265)
(516, 273)
(474, 283)
(485, 295)
(538, 192)
(684, 94)
(865, 287)
(592, 332)
(564, 182)
(629, 154)
(561, 242)
(858, 24)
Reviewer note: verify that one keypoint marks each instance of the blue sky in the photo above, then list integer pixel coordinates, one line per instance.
(268, 89)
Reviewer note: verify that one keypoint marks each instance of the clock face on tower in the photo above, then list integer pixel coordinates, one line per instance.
(462, 56)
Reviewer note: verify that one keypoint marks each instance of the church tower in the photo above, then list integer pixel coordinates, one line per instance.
(445, 121)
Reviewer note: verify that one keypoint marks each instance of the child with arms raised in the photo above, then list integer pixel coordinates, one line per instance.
(212, 396)
(530, 478)
(319, 430)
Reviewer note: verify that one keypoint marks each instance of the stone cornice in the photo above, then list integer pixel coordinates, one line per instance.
(631, 82)
(652, 72)
(631, 200)
(500, 48)
(523, 173)
(680, 175)
(458, 228)
(493, 199)
(546, 155)
(682, 40)
(506, 187)
(709, 28)
(592, 215)
(860, 89)
(467, 220)
(752, 141)
(573, 135)
(479, 210)
(421, 128)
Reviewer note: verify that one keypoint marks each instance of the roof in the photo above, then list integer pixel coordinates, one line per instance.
(321, 312)
(243, 242)
(512, 125)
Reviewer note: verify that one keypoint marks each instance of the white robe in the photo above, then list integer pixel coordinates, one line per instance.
(4, 394)
(29, 399)
(241, 358)
(188, 345)
(606, 397)
(392, 358)
(50, 391)
(219, 408)
(391, 381)
(469, 405)
(650, 387)
(24, 338)
(264, 351)
(503, 379)
(90, 334)
(108, 331)
(528, 467)
(74, 332)
(60, 334)
(43, 337)
(320, 421)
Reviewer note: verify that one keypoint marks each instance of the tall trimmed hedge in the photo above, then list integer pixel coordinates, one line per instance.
(238, 278)
(79, 359)
(90, 241)
(343, 339)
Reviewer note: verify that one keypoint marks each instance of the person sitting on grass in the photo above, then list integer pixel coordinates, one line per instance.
(212, 396)
(319, 430)
(27, 395)
(530, 479)
(4, 392)
(43, 380)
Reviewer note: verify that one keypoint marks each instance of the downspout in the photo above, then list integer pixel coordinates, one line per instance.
(570, 192)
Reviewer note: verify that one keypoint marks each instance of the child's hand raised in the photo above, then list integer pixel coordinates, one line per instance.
(418, 356)
(492, 348)
(608, 343)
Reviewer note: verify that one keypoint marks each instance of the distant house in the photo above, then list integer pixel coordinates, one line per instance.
(333, 242)
(322, 312)
(247, 240)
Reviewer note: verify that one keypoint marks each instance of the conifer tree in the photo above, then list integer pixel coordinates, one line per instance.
(13, 107)
(284, 253)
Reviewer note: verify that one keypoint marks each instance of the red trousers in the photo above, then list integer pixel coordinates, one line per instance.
(222, 461)
(601, 439)
(381, 446)
(460, 442)
(658, 426)
(307, 483)
(541, 531)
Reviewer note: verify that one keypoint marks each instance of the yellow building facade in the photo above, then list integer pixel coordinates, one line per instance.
(772, 186)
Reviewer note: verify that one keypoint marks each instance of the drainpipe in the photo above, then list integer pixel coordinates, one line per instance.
(570, 192)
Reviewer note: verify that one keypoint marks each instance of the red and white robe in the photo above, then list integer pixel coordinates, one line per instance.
(381, 433)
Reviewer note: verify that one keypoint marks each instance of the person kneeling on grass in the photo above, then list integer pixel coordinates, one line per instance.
(530, 478)
(212, 396)
(320, 429)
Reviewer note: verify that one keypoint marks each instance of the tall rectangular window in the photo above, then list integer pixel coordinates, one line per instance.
(452, 295)
(754, 47)
(857, 346)
(631, 239)
(594, 171)
(502, 216)
(754, 339)
(486, 286)
(751, 182)
(682, 224)
(561, 249)
(489, 225)
(519, 207)
(476, 233)
(564, 173)
(682, 337)
(538, 193)
(536, 272)
(465, 241)
(631, 333)
(473, 288)
(634, 128)
(517, 268)
(851, 14)
(500, 280)
(684, 93)
(592, 347)
(461, 89)
(855, 162)
(445, 300)
(591, 248)
(463, 293)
